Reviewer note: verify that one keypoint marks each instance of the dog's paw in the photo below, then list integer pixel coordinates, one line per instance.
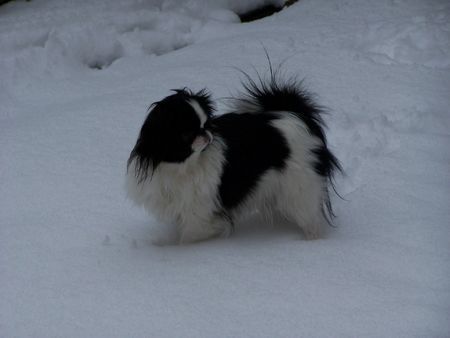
(166, 238)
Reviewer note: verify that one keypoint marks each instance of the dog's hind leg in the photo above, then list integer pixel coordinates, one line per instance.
(301, 201)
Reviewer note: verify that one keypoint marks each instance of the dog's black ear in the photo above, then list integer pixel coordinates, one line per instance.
(143, 165)
(203, 97)
(145, 159)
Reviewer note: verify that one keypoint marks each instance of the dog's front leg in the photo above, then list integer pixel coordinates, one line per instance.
(201, 230)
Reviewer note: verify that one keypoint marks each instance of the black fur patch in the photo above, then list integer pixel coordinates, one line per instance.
(253, 147)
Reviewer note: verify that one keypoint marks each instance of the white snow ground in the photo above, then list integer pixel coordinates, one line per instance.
(76, 258)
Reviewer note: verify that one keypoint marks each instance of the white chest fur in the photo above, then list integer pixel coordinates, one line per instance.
(183, 193)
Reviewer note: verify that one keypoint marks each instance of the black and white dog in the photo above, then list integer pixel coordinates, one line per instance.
(202, 172)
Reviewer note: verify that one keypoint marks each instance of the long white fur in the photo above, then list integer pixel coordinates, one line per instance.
(186, 194)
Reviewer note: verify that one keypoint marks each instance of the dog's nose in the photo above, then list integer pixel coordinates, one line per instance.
(207, 135)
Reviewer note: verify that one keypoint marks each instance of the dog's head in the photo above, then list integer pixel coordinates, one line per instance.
(175, 129)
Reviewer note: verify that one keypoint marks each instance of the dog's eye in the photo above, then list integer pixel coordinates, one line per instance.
(187, 136)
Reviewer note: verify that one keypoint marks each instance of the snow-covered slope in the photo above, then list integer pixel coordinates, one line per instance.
(77, 259)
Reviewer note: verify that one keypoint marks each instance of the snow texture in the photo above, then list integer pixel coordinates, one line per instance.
(77, 259)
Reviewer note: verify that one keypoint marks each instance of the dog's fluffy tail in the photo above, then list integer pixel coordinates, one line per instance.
(272, 94)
